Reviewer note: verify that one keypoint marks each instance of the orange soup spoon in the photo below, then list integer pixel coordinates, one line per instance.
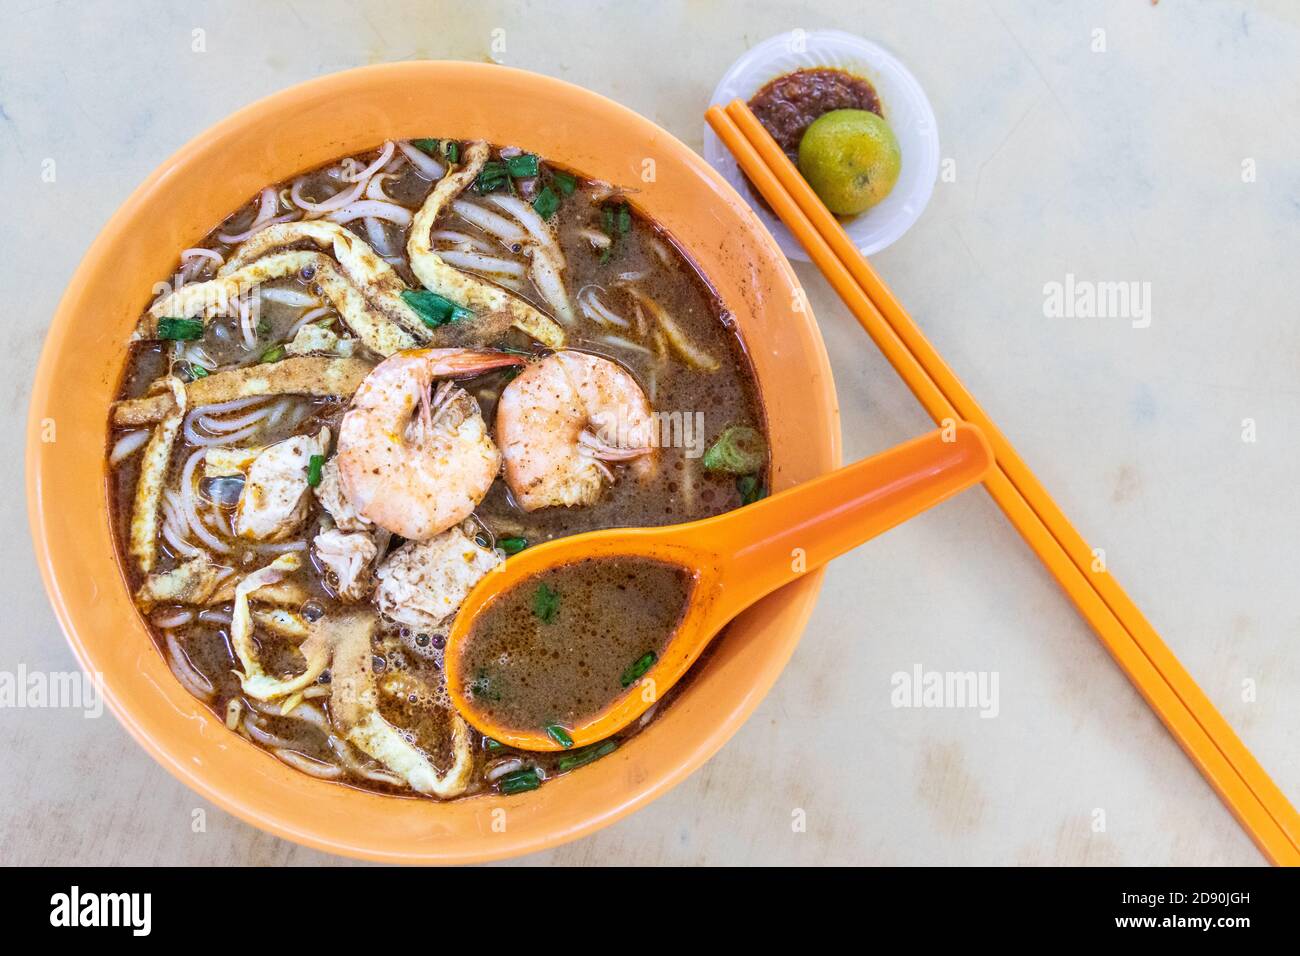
(726, 564)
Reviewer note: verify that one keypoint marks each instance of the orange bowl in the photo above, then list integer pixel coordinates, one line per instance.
(185, 197)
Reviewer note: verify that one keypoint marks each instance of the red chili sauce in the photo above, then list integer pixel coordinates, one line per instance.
(787, 105)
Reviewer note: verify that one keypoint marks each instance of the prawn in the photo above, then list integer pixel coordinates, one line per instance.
(562, 419)
(412, 464)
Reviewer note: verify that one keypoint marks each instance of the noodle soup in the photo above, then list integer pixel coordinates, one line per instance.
(370, 386)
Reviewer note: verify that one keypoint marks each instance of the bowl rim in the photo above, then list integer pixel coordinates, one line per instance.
(801, 599)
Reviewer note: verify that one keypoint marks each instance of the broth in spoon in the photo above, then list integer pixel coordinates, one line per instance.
(563, 645)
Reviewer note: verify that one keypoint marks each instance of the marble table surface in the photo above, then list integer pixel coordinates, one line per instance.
(1107, 142)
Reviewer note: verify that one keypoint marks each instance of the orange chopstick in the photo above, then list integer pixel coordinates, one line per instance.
(1169, 690)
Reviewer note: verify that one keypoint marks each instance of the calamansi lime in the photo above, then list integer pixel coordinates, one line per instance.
(851, 159)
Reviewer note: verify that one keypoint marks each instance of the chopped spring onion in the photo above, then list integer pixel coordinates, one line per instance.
(451, 149)
(498, 173)
(636, 670)
(492, 176)
(615, 219)
(314, 465)
(559, 735)
(750, 488)
(434, 310)
(522, 166)
(566, 183)
(520, 781)
(546, 203)
(273, 354)
(183, 330)
(512, 545)
(429, 146)
(585, 756)
(739, 450)
(491, 743)
(546, 603)
(197, 371)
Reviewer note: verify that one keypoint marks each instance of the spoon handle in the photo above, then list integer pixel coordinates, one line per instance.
(774, 541)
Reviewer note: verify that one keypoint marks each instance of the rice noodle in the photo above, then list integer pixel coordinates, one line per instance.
(425, 165)
(173, 618)
(234, 708)
(311, 315)
(377, 236)
(591, 306)
(477, 262)
(309, 713)
(233, 438)
(340, 199)
(545, 273)
(597, 238)
(175, 527)
(227, 430)
(378, 209)
(623, 343)
(128, 445)
(265, 737)
(198, 252)
(189, 505)
(288, 296)
(494, 224)
(220, 408)
(527, 217)
(246, 325)
(268, 204)
(224, 426)
(308, 765)
(196, 354)
(463, 239)
(213, 616)
(661, 251)
(189, 676)
(375, 188)
(503, 767)
(364, 175)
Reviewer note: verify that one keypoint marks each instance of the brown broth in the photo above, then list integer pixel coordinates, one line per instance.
(562, 646)
(412, 692)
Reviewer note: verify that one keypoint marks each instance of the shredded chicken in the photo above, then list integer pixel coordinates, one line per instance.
(330, 494)
(350, 558)
(273, 504)
(422, 583)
